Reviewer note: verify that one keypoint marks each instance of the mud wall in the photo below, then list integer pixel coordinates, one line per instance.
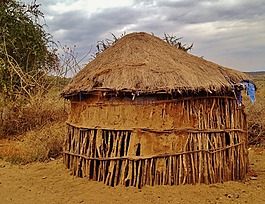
(198, 113)
(169, 142)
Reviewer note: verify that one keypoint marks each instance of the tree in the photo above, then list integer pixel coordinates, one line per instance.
(24, 48)
(32, 70)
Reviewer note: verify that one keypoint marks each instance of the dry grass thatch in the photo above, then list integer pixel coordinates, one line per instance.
(145, 63)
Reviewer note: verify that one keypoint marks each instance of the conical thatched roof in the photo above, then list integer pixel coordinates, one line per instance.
(145, 63)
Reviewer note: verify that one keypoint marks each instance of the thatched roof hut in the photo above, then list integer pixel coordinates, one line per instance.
(146, 113)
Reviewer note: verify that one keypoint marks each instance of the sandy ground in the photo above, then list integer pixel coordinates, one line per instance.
(51, 182)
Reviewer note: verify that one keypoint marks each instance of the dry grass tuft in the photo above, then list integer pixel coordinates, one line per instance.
(36, 145)
(33, 131)
(40, 111)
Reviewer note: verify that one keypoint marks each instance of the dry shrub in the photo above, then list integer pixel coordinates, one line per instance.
(11, 150)
(33, 131)
(36, 145)
(19, 117)
(45, 143)
(256, 118)
(256, 113)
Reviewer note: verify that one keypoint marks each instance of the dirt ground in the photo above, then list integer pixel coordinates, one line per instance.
(51, 182)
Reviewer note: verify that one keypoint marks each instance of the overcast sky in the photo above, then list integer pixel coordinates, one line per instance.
(228, 32)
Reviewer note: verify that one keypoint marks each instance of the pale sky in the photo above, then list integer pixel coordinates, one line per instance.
(228, 32)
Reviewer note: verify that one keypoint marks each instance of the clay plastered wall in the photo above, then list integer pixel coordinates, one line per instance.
(192, 140)
(151, 122)
(154, 143)
(199, 113)
(130, 116)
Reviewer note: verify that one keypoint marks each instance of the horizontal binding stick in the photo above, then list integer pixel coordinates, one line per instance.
(155, 156)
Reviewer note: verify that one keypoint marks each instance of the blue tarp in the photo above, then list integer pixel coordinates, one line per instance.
(247, 85)
(250, 89)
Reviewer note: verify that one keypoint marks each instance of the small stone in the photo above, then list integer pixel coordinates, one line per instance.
(236, 195)
(44, 177)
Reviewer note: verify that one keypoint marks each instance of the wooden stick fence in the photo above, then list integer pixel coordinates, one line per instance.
(101, 155)
(215, 151)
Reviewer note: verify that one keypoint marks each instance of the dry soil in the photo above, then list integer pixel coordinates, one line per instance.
(51, 182)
